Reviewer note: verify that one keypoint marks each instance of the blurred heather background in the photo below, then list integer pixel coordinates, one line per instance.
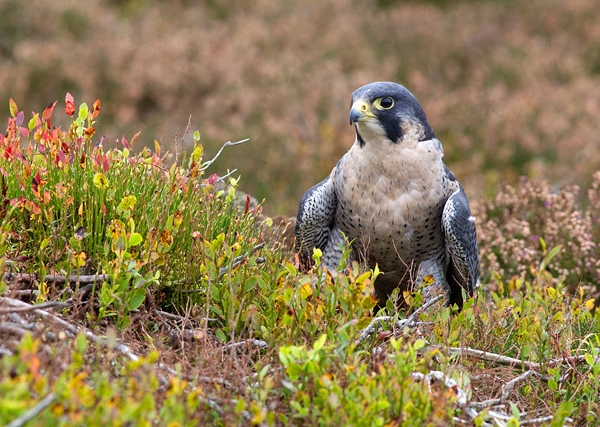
(511, 87)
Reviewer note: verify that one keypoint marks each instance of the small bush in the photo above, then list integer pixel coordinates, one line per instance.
(79, 208)
(519, 229)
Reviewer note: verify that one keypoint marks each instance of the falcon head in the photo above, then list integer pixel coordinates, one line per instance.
(386, 111)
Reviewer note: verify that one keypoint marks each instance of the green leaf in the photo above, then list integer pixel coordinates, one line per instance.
(83, 112)
(525, 351)
(81, 343)
(135, 239)
(137, 299)
(320, 342)
(515, 412)
(32, 122)
(44, 243)
(419, 344)
(220, 335)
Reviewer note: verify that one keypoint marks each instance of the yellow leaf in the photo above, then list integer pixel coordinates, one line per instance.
(363, 323)
(589, 304)
(306, 291)
(100, 181)
(368, 302)
(428, 280)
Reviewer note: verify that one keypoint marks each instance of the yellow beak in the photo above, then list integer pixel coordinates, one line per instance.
(360, 111)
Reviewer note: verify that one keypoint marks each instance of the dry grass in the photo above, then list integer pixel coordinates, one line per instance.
(510, 87)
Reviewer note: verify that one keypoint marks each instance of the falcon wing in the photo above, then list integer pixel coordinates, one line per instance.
(315, 226)
(461, 245)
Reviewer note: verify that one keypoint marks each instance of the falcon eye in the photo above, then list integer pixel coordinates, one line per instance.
(386, 102)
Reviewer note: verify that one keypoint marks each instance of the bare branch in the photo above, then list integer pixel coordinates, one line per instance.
(13, 329)
(251, 341)
(511, 361)
(506, 389)
(49, 304)
(207, 164)
(408, 322)
(410, 319)
(541, 420)
(489, 356)
(33, 412)
(450, 383)
(372, 328)
(86, 279)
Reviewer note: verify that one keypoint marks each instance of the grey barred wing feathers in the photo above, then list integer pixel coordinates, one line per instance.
(461, 246)
(315, 226)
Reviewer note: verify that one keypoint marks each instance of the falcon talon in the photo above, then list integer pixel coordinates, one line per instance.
(393, 197)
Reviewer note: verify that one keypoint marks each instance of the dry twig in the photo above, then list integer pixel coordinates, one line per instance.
(253, 342)
(57, 279)
(206, 164)
(33, 412)
(408, 322)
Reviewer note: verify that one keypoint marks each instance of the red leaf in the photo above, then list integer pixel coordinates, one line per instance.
(47, 114)
(24, 132)
(70, 109)
(96, 109)
(69, 98)
(124, 142)
(35, 184)
(134, 138)
(60, 159)
(12, 106)
(213, 179)
(247, 204)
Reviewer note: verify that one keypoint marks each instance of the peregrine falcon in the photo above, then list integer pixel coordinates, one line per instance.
(393, 197)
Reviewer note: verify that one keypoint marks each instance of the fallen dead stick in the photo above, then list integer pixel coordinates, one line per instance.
(507, 360)
(33, 412)
(7, 277)
(72, 329)
(506, 389)
(251, 341)
(489, 356)
(50, 304)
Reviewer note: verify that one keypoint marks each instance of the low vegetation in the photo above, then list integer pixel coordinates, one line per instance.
(137, 291)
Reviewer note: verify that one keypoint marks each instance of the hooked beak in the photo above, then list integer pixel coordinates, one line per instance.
(360, 111)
